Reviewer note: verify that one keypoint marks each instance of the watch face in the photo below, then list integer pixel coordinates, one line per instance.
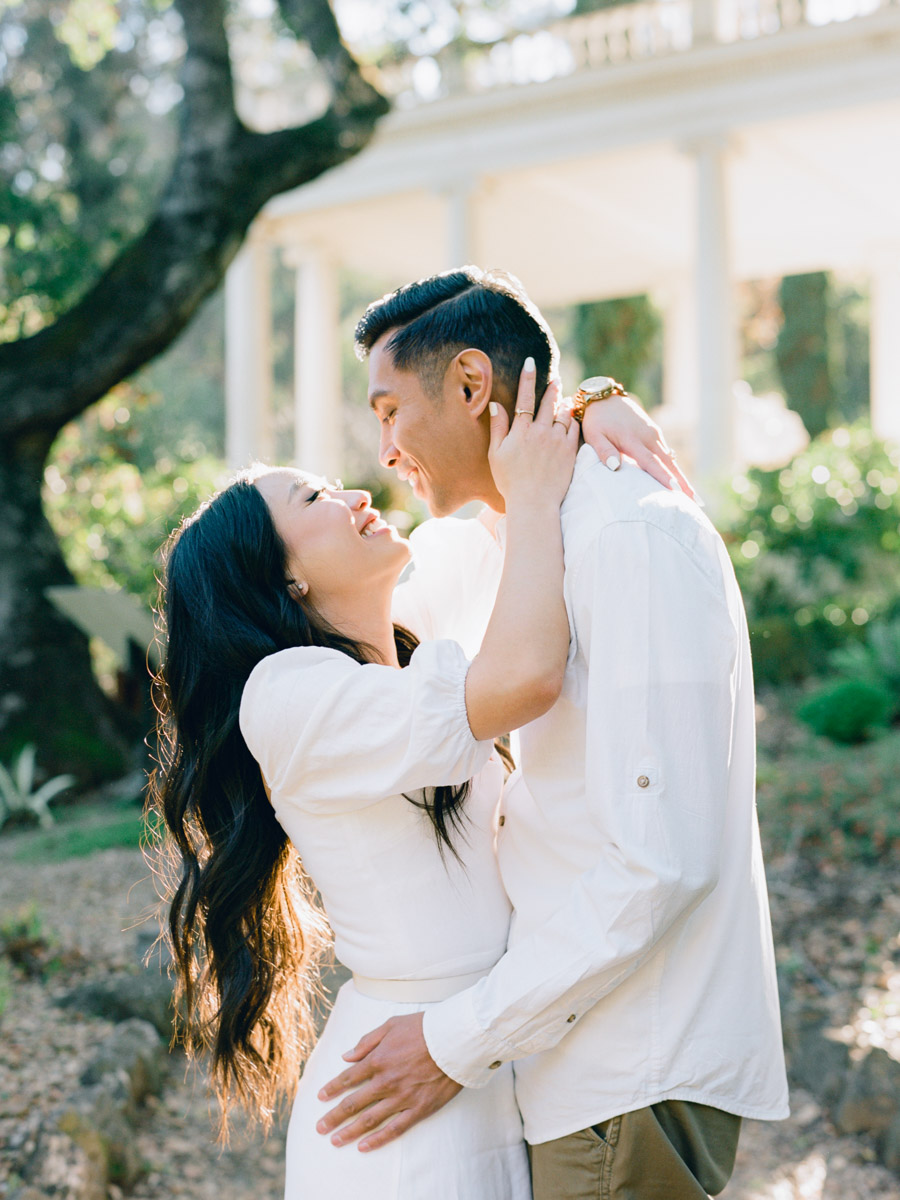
(596, 383)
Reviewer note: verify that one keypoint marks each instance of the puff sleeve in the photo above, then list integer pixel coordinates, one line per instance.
(334, 734)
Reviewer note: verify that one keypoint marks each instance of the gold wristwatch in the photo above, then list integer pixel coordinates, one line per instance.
(598, 387)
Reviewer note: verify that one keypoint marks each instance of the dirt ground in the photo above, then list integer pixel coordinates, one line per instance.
(96, 907)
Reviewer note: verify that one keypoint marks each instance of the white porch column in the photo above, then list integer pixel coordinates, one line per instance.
(704, 21)
(248, 355)
(679, 414)
(460, 199)
(318, 442)
(884, 333)
(714, 308)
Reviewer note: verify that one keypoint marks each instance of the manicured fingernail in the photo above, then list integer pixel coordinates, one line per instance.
(493, 408)
(364, 1146)
(614, 462)
(529, 364)
(321, 1126)
(698, 499)
(676, 486)
(337, 1140)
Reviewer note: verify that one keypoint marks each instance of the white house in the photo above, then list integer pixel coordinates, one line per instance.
(672, 147)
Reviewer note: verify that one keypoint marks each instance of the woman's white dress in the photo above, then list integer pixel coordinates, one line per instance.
(339, 744)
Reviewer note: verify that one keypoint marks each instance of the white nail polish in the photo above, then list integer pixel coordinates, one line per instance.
(698, 500)
(529, 364)
(676, 486)
(614, 462)
(492, 406)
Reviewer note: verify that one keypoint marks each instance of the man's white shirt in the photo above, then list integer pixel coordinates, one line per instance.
(640, 964)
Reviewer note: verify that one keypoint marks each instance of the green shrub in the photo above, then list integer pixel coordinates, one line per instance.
(816, 548)
(26, 943)
(875, 661)
(847, 711)
(832, 803)
(112, 501)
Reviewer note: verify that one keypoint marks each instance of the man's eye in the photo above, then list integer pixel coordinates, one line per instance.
(388, 418)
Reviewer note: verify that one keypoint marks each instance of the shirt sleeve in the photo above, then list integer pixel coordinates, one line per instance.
(331, 733)
(658, 627)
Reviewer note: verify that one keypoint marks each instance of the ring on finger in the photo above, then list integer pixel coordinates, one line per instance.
(526, 412)
(557, 421)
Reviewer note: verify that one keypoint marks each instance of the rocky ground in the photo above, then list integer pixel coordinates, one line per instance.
(838, 940)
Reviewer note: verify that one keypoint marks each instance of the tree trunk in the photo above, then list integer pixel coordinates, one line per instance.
(222, 176)
(48, 695)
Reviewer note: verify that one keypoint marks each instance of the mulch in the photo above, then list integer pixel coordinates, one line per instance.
(838, 935)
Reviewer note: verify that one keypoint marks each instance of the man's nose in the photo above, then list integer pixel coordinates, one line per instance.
(388, 455)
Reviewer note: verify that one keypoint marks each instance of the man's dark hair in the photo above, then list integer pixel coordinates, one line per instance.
(435, 318)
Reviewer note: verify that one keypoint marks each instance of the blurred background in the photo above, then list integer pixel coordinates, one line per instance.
(197, 201)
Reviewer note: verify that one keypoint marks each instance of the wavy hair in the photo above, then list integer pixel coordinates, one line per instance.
(246, 931)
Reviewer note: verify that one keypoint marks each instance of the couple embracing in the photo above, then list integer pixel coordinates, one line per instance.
(563, 982)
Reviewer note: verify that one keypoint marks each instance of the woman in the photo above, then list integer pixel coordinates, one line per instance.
(298, 720)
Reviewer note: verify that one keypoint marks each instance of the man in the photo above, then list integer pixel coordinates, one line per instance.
(638, 995)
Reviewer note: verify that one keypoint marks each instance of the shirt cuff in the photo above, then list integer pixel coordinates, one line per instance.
(459, 1045)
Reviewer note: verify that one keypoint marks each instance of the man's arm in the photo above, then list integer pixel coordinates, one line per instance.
(660, 642)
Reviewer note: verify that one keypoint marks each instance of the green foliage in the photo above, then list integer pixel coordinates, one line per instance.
(18, 795)
(802, 349)
(80, 832)
(622, 338)
(842, 339)
(875, 661)
(816, 548)
(110, 507)
(26, 943)
(832, 803)
(84, 140)
(848, 711)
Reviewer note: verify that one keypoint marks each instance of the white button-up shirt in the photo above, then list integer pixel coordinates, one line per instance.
(640, 964)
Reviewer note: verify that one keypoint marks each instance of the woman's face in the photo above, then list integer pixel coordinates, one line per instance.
(337, 544)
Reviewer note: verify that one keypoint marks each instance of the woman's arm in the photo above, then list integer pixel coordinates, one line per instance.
(618, 425)
(517, 674)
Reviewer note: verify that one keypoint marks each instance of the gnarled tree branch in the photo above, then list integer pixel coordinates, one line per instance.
(221, 177)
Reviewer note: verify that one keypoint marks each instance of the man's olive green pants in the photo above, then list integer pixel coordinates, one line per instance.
(674, 1150)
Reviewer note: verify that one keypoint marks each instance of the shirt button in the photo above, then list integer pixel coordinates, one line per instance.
(570, 1019)
(501, 820)
(643, 781)
(495, 1065)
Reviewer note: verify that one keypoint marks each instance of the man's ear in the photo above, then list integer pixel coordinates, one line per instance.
(470, 380)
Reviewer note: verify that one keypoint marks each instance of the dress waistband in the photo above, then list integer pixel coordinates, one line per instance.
(416, 991)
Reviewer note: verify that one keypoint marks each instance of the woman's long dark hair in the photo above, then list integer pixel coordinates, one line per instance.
(246, 931)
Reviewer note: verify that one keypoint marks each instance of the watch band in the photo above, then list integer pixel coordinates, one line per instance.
(598, 387)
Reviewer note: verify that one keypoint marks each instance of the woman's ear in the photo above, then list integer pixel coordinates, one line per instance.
(471, 380)
(297, 590)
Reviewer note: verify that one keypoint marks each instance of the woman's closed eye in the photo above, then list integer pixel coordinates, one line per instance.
(314, 495)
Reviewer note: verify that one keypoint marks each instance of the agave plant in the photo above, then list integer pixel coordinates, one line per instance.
(18, 793)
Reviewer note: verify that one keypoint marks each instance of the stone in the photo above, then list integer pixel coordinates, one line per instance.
(62, 1168)
(135, 1052)
(95, 1119)
(889, 1147)
(117, 997)
(817, 1059)
(870, 1102)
